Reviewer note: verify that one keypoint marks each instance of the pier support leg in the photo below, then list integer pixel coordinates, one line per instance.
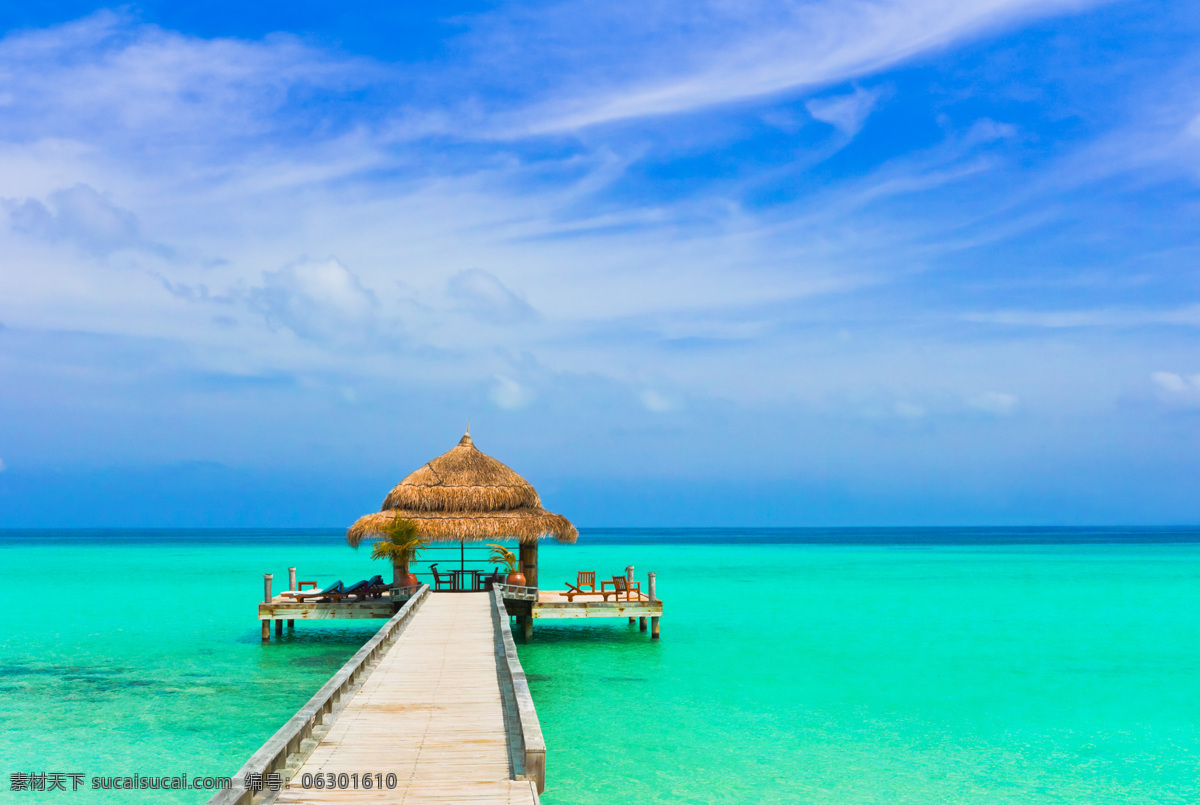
(631, 621)
(527, 626)
(266, 624)
(642, 624)
(292, 624)
(279, 627)
(654, 627)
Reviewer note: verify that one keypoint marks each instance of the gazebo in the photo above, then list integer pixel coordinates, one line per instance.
(463, 496)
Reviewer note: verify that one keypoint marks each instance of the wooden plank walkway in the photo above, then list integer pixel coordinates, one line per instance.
(431, 713)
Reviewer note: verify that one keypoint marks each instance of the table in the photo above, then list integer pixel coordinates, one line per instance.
(461, 576)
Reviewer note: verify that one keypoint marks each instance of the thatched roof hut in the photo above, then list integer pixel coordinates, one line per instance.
(466, 495)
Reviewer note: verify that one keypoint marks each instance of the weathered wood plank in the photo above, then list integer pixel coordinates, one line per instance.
(323, 611)
(597, 609)
(430, 713)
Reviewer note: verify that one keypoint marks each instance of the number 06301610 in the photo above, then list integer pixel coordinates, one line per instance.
(345, 781)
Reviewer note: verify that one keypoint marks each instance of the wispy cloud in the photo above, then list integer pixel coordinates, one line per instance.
(718, 53)
(846, 113)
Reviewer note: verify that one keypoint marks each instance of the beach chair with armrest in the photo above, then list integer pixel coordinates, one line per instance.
(622, 585)
(440, 579)
(585, 578)
(332, 593)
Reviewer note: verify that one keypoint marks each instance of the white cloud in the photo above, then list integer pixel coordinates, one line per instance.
(909, 410)
(80, 215)
(316, 300)
(1177, 389)
(846, 113)
(653, 401)
(487, 298)
(996, 403)
(509, 394)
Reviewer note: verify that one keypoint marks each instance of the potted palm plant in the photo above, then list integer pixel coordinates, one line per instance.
(507, 558)
(401, 544)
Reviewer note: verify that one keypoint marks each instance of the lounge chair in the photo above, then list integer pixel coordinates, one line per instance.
(585, 578)
(358, 589)
(376, 587)
(312, 585)
(333, 592)
(439, 579)
(622, 585)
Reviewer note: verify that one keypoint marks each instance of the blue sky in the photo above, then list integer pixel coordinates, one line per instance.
(679, 263)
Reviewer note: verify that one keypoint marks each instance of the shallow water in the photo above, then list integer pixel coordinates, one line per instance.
(786, 672)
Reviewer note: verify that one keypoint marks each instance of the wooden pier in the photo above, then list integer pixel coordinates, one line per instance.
(434, 709)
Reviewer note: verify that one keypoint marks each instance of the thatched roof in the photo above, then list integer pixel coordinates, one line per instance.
(466, 495)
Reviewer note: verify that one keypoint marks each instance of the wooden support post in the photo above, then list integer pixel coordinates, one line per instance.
(527, 626)
(528, 563)
(292, 624)
(279, 627)
(266, 624)
(652, 594)
(629, 580)
(631, 620)
(291, 578)
(642, 624)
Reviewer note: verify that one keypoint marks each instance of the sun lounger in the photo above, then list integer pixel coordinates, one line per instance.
(333, 592)
(358, 589)
(312, 585)
(376, 587)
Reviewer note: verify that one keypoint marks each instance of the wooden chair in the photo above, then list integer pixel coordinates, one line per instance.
(622, 585)
(585, 578)
(495, 577)
(440, 579)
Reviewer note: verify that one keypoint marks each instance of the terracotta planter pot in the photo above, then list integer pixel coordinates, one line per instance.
(515, 580)
(409, 580)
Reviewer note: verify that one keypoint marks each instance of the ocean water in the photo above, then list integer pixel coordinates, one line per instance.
(915, 666)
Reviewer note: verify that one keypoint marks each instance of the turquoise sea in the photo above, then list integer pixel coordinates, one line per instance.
(909, 666)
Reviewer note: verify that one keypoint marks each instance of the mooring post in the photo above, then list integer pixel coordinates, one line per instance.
(266, 624)
(629, 581)
(653, 596)
(291, 586)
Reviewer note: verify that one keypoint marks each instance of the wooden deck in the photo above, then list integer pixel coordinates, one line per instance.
(431, 712)
(554, 604)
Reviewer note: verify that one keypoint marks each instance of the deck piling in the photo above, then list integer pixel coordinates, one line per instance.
(651, 593)
(266, 625)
